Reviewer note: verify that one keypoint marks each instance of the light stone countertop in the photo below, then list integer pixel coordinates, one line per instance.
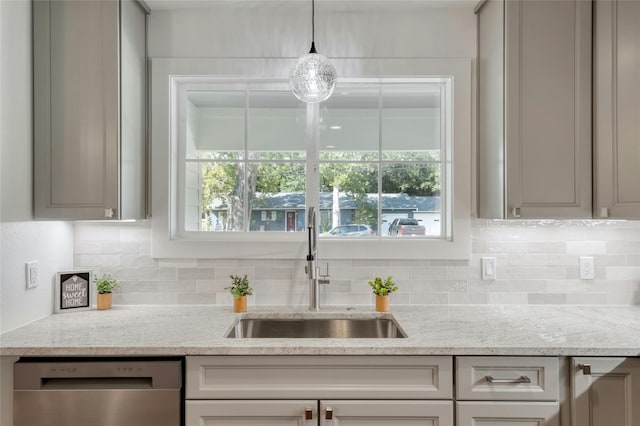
(432, 330)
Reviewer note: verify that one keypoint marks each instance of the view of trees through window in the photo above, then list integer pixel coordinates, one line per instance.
(380, 151)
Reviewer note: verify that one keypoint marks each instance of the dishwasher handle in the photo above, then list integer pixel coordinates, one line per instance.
(73, 383)
(98, 375)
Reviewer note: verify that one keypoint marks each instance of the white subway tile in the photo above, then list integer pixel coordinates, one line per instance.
(429, 298)
(88, 231)
(546, 247)
(137, 260)
(157, 273)
(623, 247)
(507, 298)
(527, 286)
(177, 287)
(119, 247)
(507, 247)
(528, 260)
(547, 298)
(586, 247)
(459, 286)
(468, 298)
(137, 287)
(587, 299)
(87, 247)
(178, 263)
(341, 299)
(487, 286)
(96, 260)
(622, 272)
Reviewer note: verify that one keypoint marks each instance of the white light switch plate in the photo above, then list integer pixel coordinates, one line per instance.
(31, 274)
(488, 268)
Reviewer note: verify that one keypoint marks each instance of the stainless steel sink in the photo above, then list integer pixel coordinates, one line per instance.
(313, 327)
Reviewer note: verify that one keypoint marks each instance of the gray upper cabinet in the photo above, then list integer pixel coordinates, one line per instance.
(534, 109)
(617, 109)
(89, 109)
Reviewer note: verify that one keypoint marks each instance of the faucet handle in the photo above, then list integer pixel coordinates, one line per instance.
(324, 279)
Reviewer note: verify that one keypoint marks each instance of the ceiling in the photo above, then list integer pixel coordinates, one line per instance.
(331, 4)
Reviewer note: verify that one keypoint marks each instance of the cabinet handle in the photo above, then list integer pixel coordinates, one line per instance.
(328, 414)
(515, 212)
(521, 379)
(586, 369)
(308, 414)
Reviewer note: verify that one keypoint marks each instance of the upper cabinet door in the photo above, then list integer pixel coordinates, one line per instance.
(84, 144)
(541, 109)
(617, 109)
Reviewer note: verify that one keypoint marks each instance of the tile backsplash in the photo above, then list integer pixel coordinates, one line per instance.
(536, 263)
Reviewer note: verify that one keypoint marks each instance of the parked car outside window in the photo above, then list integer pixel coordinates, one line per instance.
(354, 230)
(406, 227)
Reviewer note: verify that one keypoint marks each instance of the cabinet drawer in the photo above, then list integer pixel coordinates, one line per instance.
(317, 377)
(386, 413)
(508, 413)
(251, 413)
(508, 378)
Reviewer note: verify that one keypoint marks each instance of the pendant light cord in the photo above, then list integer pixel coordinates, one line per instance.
(313, 27)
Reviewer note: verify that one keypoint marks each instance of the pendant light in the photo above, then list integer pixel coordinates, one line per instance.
(313, 77)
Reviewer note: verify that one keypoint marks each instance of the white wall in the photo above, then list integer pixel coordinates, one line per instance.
(22, 239)
(283, 30)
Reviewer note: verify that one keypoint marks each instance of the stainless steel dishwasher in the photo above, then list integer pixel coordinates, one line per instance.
(98, 393)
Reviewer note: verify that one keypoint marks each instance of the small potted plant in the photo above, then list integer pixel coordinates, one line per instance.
(105, 285)
(240, 289)
(382, 290)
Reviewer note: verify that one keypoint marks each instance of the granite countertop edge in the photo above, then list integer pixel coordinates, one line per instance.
(510, 330)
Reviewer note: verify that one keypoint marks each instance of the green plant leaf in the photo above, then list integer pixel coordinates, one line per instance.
(240, 286)
(383, 288)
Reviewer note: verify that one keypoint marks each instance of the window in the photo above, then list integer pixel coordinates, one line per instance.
(382, 155)
(245, 159)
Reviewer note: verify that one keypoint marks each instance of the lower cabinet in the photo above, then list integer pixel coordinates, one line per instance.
(323, 413)
(507, 391)
(251, 413)
(319, 391)
(491, 413)
(605, 392)
(411, 391)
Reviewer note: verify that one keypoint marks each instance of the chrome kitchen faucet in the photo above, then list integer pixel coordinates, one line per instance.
(312, 269)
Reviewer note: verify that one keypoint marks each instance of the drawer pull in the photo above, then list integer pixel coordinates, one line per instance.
(521, 379)
(586, 369)
(328, 415)
(308, 414)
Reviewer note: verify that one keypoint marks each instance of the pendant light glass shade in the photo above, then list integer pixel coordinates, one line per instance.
(312, 78)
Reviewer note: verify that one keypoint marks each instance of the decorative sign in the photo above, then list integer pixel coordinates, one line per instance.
(73, 291)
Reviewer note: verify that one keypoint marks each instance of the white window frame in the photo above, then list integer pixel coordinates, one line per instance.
(166, 76)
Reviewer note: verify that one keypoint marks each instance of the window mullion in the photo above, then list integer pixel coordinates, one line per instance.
(444, 159)
(380, 106)
(312, 135)
(245, 193)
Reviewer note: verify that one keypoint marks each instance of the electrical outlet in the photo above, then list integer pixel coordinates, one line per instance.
(488, 268)
(587, 267)
(31, 269)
